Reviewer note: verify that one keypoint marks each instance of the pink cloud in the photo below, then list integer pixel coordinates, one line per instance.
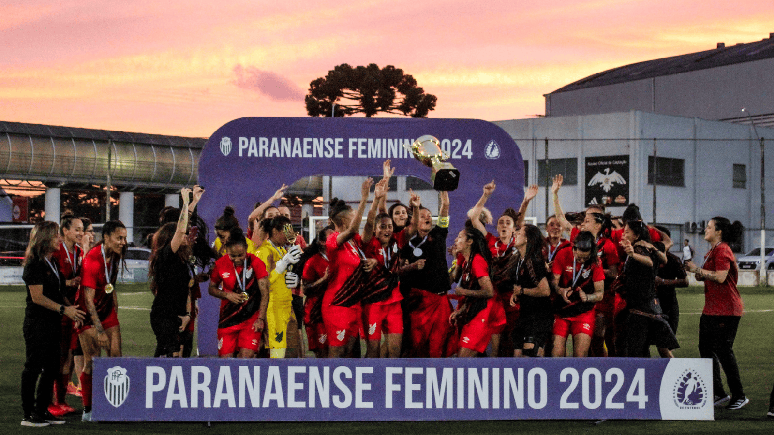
(272, 85)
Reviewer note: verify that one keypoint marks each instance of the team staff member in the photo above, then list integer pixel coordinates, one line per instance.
(100, 328)
(723, 309)
(68, 259)
(531, 290)
(424, 287)
(314, 262)
(580, 282)
(42, 322)
(239, 279)
(342, 323)
(641, 322)
(669, 276)
(171, 277)
(276, 258)
(479, 315)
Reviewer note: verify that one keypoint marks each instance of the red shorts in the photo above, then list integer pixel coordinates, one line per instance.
(431, 334)
(581, 324)
(109, 322)
(478, 332)
(511, 313)
(239, 336)
(384, 316)
(341, 323)
(316, 336)
(609, 307)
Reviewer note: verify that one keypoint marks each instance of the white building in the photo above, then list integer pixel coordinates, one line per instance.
(705, 168)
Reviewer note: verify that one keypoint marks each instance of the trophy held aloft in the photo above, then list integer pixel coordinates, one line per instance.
(427, 149)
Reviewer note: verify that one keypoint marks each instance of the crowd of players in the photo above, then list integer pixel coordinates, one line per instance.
(610, 284)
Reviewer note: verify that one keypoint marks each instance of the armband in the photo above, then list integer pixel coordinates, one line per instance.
(443, 221)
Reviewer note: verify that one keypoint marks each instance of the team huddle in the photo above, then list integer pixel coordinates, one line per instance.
(517, 292)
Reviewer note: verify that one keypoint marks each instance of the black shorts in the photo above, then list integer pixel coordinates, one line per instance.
(532, 329)
(167, 331)
(298, 310)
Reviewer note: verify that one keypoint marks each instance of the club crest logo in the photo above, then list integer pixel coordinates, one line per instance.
(279, 336)
(116, 386)
(323, 338)
(225, 145)
(340, 334)
(371, 328)
(689, 391)
(606, 180)
(492, 150)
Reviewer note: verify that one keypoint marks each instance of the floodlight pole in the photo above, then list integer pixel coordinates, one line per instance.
(763, 272)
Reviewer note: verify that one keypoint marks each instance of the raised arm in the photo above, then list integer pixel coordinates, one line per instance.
(387, 172)
(354, 225)
(198, 191)
(182, 222)
(414, 203)
(557, 184)
(475, 212)
(444, 212)
(529, 195)
(380, 191)
(258, 212)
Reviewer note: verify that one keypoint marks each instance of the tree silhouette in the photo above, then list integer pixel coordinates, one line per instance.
(368, 90)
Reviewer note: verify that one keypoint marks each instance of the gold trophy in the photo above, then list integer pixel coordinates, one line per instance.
(427, 149)
(290, 234)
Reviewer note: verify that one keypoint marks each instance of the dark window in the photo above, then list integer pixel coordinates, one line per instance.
(392, 185)
(740, 176)
(415, 183)
(526, 173)
(567, 167)
(669, 172)
(137, 254)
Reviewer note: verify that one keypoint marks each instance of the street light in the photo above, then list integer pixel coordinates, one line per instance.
(763, 278)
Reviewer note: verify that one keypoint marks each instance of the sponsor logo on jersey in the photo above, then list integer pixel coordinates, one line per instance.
(465, 339)
(225, 275)
(116, 386)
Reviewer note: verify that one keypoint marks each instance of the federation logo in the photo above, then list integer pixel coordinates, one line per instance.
(225, 145)
(607, 179)
(689, 391)
(492, 150)
(116, 386)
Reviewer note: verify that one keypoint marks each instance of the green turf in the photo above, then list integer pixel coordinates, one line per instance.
(754, 349)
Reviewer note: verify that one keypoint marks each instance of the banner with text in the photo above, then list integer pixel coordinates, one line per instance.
(209, 389)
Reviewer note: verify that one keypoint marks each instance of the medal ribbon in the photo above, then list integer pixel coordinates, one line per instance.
(510, 244)
(107, 272)
(575, 276)
(56, 272)
(420, 243)
(74, 261)
(241, 283)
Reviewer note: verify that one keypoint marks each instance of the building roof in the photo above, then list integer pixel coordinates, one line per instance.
(720, 56)
(101, 135)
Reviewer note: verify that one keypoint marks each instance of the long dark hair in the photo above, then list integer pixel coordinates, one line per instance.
(479, 245)
(66, 221)
(236, 238)
(605, 221)
(585, 240)
(108, 229)
(314, 248)
(276, 223)
(535, 243)
(228, 220)
(639, 229)
(161, 238)
(40, 241)
(729, 232)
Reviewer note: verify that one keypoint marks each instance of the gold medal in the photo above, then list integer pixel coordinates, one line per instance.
(109, 288)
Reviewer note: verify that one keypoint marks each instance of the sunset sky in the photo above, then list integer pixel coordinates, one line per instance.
(186, 68)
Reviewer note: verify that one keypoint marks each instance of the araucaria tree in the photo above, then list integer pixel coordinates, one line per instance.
(368, 90)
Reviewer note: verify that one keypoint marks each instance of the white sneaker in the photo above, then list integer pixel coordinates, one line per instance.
(86, 416)
(722, 400)
(738, 403)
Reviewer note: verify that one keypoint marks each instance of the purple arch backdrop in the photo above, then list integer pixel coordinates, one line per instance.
(247, 159)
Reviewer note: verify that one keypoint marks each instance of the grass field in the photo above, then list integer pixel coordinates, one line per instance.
(754, 349)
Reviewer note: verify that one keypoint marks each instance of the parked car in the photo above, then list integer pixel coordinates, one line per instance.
(11, 258)
(752, 260)
(136, 265)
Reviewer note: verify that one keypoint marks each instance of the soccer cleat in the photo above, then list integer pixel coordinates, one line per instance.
(66, 409)
(770, 414)
(52, 419)
(34, 420)
(738, 403)
(722, 400)
(86, 416)
(55, 410)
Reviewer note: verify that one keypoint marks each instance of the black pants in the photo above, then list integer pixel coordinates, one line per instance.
(42, 342)
(716, 341)
(167, 331)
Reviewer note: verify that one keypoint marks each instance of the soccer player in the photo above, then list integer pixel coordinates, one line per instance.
(223, 226)
(669, 276)
(479, 315)
(277, 258)
(314, 263)
(42, 323)
(68, 259)
(723, 309)
(345, 269)
(239, 279)
(532, 292)
(96, 296)
(580, 283)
